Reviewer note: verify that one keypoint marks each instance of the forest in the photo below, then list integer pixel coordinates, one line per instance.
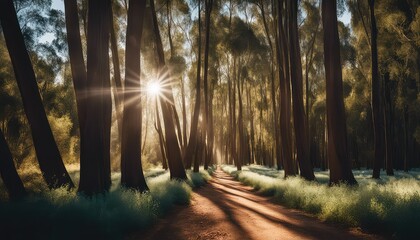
(138, 119)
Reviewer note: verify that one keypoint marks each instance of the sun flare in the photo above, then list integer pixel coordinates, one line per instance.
(154, 88)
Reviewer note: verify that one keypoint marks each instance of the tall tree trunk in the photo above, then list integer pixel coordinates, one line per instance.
(95, 175)
(78, 68)
(339, 163)
(377, 105)
(117, 90)
(300, 124)
(211, 132)
(184, 118)
(48, 155)
(241, 134)
(308, 64)
(283, 67)
(194, 122)
(131, 168)
(208, 8)
(231, 119)
(8, 172)
(169, 20)
(175, 163)
(162, 143)
(389, 126)
(252, 129)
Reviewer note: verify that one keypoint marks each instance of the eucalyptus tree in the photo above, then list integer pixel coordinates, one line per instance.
(192, 142)
(95, 176)
(339, 164)
(131, 167)
(300, 124)
(377, 103)
(207, 125)
(174, 155)
(48, 155)
(282, 54)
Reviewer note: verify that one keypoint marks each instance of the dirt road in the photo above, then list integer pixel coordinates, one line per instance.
(226, 209)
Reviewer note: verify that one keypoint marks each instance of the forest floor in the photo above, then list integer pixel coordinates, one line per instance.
(227, 209)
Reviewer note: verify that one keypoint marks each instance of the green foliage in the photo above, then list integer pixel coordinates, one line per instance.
(389, 206)
(52, 214)
(67, 144)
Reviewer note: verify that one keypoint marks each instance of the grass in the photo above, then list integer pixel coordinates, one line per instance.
(60, 214)
(389, 206)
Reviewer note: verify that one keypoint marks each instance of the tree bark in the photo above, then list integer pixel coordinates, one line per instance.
(300, 124)
(283, 68)
(8, 171)
(194, 122)
(131, 168)
(162, 142)
(95, 174)
(48, 155)
(339, 163)
(184, 119)
(389, 127)
(377, 105)
(117, 90)
(175, 163)
(206, 133)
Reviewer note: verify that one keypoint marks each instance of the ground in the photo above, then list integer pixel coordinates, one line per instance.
(226, 209)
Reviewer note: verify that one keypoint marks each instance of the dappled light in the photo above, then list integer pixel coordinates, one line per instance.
(209, 119)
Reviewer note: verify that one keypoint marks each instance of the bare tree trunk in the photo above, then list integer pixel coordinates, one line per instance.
(283, 67)
(194, 122)
(48, 155)
(117, 90)
(208, 9)
(184, 119)
(241, 145)
(252, 130)
(339, 163)
(300, 124)
(389, 127)
(169, 19)
(175, 163)
(95, 163)
(377, 104)
(162, 142)
(8, 172)
(231, 120)
(131, 168)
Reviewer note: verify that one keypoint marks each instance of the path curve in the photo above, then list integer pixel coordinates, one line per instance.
(227, 209)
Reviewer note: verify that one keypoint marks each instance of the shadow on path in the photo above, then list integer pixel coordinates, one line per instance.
(226, 209)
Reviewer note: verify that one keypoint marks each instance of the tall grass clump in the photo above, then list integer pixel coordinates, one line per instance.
(60, 214)
(198, 179)
(389, 206)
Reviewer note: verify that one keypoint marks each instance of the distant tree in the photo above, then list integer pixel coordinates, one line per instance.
(8, 172)
(131, 168)
(95, 174)
(48, 155)
(339, 163)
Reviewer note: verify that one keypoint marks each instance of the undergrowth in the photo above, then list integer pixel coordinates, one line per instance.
(389, 206)
(60, 214)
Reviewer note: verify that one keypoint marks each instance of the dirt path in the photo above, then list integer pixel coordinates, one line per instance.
(226, 209)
